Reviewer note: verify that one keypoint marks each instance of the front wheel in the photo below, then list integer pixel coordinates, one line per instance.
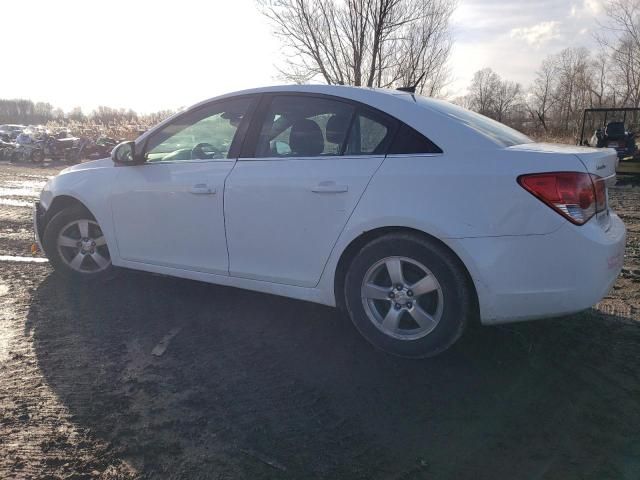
(408, 295)
(76, 246)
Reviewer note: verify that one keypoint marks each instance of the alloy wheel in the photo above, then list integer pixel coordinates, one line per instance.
(82, 246)
(402, 298)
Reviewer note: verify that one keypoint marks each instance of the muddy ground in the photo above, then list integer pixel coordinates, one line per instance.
(256, 386)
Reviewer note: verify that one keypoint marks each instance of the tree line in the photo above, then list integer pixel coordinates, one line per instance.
(27, 112)
(569, 81)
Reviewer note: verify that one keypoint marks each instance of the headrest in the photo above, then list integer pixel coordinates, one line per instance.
(306, 138)
(337, 128)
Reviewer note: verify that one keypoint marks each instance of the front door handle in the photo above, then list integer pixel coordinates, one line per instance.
(330, 187)
(202, 189)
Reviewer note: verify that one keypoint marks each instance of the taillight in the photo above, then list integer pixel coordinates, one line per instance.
(574, 195)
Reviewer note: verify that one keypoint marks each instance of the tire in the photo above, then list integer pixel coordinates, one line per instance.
(72, 256)
(37, 156)
(416, 324)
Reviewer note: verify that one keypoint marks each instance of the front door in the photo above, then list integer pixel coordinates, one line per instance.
(286, 206)
(169, 210)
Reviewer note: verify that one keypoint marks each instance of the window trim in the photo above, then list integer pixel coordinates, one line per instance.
(236, 143)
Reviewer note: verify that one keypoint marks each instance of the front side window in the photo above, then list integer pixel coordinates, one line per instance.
(301, 126)
(204, 134)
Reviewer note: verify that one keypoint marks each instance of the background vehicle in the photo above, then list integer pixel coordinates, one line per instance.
(60, 146)
(612, 130)
(6, 150)
(10, 131)
(87, 148)
(28, 149)
(414, 215)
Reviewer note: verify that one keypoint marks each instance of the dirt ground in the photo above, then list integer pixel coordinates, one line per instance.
(256, 386)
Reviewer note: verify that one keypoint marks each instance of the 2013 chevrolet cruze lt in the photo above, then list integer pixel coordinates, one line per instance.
(413, 214)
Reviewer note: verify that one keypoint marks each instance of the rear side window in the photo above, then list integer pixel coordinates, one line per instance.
(369, 135)
(299, 126)
(409, 141)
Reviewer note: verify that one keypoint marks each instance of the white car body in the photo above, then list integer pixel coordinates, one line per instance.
(282, 227)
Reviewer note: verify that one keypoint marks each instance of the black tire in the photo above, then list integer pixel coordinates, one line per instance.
(49, 240)
(37, 156)
(458, 296)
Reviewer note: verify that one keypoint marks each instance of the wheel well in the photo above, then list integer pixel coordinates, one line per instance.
(359, 242)
(60, 203)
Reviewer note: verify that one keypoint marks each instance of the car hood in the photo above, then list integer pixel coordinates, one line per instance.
(599, 161)
(102, 163)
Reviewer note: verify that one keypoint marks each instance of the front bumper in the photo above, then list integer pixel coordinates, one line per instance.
(38, 223)
(540, 276)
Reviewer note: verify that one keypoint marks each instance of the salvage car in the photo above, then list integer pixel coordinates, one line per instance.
(414, 215)
(9, 132)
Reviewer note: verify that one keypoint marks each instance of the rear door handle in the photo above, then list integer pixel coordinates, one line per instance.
(330, 187)
(202, 189)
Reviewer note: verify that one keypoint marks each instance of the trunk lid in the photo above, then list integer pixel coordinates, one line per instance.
(599, 161)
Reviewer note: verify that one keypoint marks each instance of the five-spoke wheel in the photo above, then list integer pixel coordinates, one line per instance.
(402, 297)
(408, 294)
(83, 247)
(76, 245)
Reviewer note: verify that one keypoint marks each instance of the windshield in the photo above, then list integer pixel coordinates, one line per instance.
(495, 131)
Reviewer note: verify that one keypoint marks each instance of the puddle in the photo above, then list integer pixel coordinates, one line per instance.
(15, 203)
(21, 188)
(12, 258)
(18, 192)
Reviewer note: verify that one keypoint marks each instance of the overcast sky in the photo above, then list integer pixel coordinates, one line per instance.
(155, 55)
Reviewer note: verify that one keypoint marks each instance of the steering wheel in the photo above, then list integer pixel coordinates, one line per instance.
(198, 152)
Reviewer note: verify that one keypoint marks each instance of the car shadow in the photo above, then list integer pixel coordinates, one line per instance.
(256, 386)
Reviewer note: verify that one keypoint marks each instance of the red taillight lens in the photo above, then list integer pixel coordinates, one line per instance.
(574, 195)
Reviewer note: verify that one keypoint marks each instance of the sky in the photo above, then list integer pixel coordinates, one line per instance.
(513, 36)
(154, 55)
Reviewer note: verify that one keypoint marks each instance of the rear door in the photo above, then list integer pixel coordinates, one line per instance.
(289, 197)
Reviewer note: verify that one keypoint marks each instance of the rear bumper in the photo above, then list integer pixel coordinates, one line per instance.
(539, 276)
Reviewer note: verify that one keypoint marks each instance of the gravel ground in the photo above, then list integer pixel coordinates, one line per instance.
(256, 386)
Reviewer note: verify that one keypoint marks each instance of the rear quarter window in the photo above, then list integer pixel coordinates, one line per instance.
(409, 141)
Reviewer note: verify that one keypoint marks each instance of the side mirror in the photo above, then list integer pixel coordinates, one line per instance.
(125, 154)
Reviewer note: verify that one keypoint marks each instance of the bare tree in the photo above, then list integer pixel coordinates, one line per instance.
(541, 96)
(508, 96)
(492, 96)
(374, 43)
(623, 43)
(483, 91)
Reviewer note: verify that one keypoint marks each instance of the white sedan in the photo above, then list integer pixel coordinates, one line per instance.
(414, 215)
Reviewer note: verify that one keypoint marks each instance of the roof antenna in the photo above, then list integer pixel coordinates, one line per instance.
(412, 89)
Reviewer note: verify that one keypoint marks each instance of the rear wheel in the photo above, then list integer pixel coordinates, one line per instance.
(408, 295)
(76, 246)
